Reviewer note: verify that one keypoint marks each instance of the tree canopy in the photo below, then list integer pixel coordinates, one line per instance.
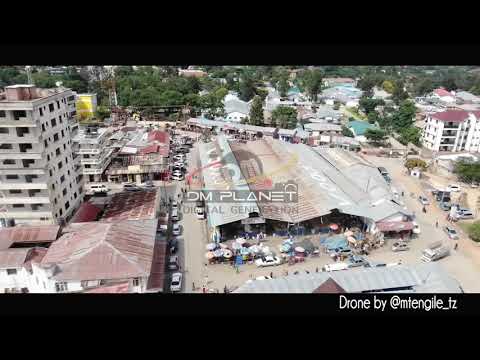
(284, 117)
(468, 171)
(256, 112)
(376, 136)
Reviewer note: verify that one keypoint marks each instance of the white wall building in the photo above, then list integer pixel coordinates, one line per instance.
(452, 131)
(90, 144)
(38, 178)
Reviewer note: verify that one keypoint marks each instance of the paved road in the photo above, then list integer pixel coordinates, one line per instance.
(193, 239)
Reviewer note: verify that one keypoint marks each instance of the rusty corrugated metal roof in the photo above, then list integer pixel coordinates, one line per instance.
(28, 234)
(121, 288)
(13, 258)
(86, 212)
(103, 251)
(157, 272)
(139, 205)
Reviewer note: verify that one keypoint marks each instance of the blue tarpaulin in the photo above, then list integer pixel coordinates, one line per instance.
(334, 242)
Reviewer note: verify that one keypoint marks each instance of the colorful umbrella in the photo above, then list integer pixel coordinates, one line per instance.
(209, 255)
(334, 226)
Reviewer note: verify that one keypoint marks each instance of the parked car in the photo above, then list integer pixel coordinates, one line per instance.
(465, 214)
(174, 205)
(162, 228)
(416, 228)
(453, 187)
(131, 187)
(175, 216)
(200, 213)
(356, 260)
(96, 189)
(342, 251)
(176, 282)
(178, 176)
(268, 261)
(336, 266)
(474, 185)
(423, 200)
(451, 232)
(375, 264)
(173, 262)
(179, 157)
(149, 184)
(173, 246)
(400, 246)
(263, 278)
(179, 164)
(176, 229)
(445, 206)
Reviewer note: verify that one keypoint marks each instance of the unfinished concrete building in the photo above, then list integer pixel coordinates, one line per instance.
(39, 183)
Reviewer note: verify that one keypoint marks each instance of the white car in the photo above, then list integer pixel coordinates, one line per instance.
(176, 230)
(268, 261)
(174, 205)
(336, 266)
(200, 213)
(176, 283)
(423, 200)
(177, 176)
(179, 157)
(179, 164)
(416, 228)
(453, 188)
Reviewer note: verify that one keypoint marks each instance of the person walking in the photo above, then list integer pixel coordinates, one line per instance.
(271, 274)
(193, 286)
(436, 224)
(456, 246)
(316, 269)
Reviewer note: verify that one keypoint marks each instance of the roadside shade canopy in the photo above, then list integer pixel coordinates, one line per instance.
(396, 226)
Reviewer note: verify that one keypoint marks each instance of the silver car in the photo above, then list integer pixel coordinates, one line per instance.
(400, 246)
(451, 232)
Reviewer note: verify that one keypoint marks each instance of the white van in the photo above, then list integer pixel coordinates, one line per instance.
(174, 215)
(335, 267)
(98, 188)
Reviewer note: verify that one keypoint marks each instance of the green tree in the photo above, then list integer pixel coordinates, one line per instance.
(399, 94)
(388, 86)
(256, 112)
(347, 132)
(423, 87)
(311, 82)
(404, 117)
(368, 105)
(467, 171)
(284, 117)
(410, 135)
(246, 88)
(415, 163)
(102, 113)
(376, 136)
(366, 84)
(373, 117)
(283, 87)
(474, 231)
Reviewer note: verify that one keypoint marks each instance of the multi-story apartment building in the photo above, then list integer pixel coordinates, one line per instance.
(91, 145)
(38, 178)
(452, 131)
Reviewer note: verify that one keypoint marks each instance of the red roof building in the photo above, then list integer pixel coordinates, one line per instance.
(121, 288)
(86, 213)
(442, 92)
(139, 205)
(451, 116)
(32, 235)
(161, 136)
(103, 251)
